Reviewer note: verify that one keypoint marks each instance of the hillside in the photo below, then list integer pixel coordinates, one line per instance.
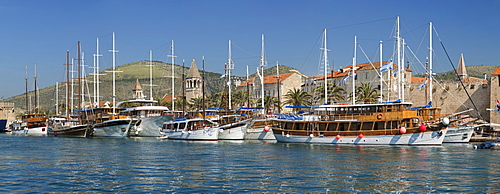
(125, 81)
(477, 71)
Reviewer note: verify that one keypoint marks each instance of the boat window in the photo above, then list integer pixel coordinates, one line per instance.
(343, 126)
(332, 126)
(182, 125)
(299, 126)
(321, 126)
(175, 126)
(355, 126)
(366, 126)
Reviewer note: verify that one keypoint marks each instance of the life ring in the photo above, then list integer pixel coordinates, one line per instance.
(380, 116)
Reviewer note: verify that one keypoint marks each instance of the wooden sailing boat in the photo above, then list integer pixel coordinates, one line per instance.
(33, 124)
(389, 123)
(68, 125)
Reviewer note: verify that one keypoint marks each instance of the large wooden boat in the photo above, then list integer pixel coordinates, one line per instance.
(31, 124)
(378, 124)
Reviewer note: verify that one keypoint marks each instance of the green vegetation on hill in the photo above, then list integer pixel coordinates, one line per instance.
(477, 71)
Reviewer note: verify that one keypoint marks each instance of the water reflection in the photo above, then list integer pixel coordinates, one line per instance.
(31, 164)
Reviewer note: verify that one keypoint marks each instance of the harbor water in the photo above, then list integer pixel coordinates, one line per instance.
(151, 165)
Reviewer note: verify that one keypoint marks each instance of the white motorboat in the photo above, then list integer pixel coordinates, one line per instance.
(190, 129)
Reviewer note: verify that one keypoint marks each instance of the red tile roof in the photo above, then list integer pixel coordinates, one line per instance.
(270, 79)
(496, 72)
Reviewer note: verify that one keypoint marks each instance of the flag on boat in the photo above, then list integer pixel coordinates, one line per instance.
(347, 77)
(223, 75)
(422, 85)
(386, 67)
(229, 83)
(395, 72)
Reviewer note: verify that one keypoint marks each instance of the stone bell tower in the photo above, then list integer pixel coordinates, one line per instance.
(193, 82)
(138, 95)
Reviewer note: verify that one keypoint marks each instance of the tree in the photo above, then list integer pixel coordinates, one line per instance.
(270, 102)
(297, 97)
(334, 93)
(366, 93)
(240, 98)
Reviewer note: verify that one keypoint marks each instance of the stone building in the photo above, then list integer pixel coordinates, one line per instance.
(193, 82)
(274, 85)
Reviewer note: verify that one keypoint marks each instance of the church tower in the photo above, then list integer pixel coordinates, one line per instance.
(138, 95)
(193, 82)
(461, 71)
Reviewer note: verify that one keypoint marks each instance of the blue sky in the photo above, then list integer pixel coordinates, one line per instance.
(41, 31)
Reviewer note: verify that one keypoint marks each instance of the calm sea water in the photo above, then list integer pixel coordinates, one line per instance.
(137, 165)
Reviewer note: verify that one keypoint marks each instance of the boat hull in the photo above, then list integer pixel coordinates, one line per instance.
(113, 128)
(461, 134)
(259, 134)
(68, 131)
(149, 126)
(206, 134)
(422, 138)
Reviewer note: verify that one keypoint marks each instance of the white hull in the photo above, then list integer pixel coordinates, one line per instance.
(113, 128)
(205, 134)
(259, 134)
(423, 138)
(461, 134)
(36, 131)
(236, 133)
(150, 126)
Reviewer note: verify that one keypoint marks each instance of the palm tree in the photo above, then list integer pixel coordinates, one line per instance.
(297, 97)
(270, 102)
(366, 93)
(240, 98)
(335, 93)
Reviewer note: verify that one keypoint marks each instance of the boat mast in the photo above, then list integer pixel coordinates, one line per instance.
(400, 66)
(97, 76)
(353, 73)
(150, 74)
(57, 98)
(183, 89)
(248, 89)
(26, 94)
(278, 85)
(203, 86)
(230, 66)
(79, 78)
(262, 64)
(173, 74)
(67, 86)
(114, 74)
(381, 73)
(325, 59)
(430, 61)
(36, 92)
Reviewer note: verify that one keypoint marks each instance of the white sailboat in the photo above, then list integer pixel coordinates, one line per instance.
(197, 129)
(109, 123)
